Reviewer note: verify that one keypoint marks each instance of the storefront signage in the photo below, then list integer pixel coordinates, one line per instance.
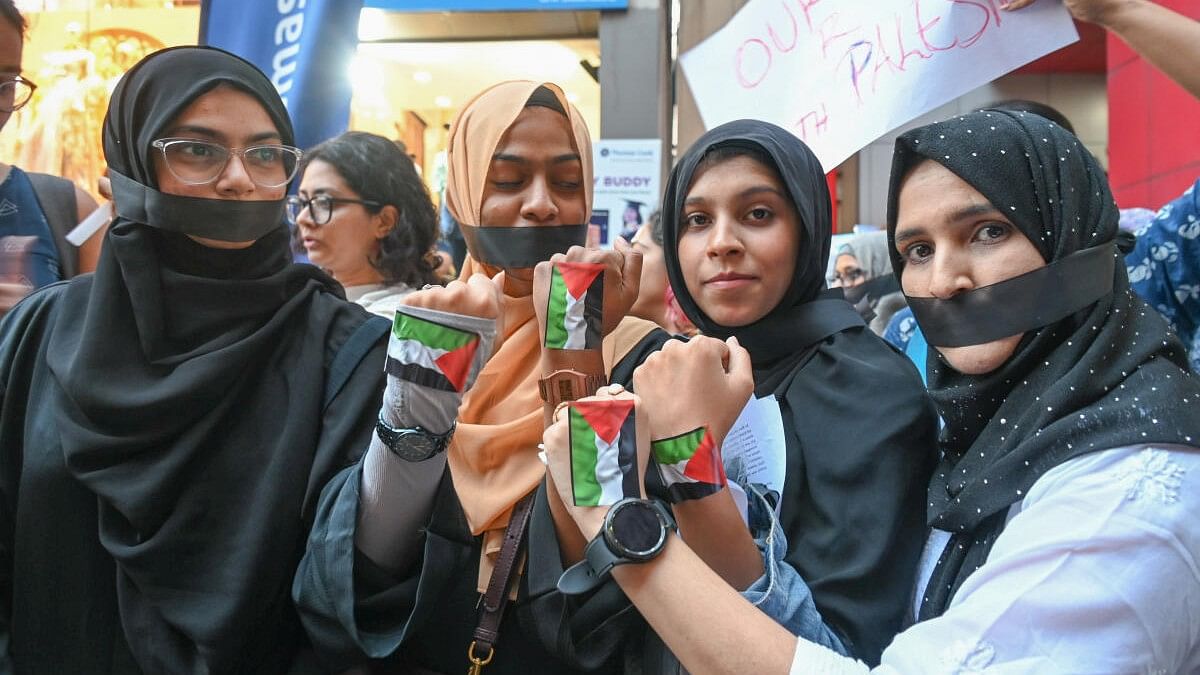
(626, 185)
(493, 5)
(841, 73)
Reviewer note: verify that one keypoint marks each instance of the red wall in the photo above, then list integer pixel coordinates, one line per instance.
(1153, 127)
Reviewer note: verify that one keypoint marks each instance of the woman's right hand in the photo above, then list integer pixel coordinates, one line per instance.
(701, 382)
(431, 359)
(478, 296)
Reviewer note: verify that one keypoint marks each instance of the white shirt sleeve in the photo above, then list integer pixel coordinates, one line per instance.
(1097, 573)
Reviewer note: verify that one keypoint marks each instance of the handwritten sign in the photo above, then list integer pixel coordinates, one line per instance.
(841, 73)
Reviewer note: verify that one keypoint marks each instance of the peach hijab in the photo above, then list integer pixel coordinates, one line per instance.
(493, 455)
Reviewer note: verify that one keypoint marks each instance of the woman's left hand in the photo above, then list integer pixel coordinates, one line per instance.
(622, 276)
(556, 444)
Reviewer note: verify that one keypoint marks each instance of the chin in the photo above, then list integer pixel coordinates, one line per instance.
(733, 317)
(980, 359)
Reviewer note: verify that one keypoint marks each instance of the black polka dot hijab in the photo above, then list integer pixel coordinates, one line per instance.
(1106, 376)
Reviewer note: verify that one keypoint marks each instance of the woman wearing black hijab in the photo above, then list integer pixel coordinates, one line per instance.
(859, 431)
(1064, 506)
(167, 423)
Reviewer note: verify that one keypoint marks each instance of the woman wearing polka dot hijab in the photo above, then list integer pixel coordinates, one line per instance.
(1063, 509)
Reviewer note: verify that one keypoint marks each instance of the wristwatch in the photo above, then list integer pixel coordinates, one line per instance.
(569, 385)
(412, 445)
(634, 531)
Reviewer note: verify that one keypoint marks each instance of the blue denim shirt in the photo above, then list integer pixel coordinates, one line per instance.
(780, 592)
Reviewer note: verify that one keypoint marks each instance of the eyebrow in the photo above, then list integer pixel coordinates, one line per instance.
(965, 213)
(506, 157)
(748, 192)
(214, 134)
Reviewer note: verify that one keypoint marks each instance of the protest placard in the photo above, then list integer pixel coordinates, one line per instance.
(841, 73)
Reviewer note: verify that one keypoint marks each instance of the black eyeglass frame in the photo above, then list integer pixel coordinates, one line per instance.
(13, 81)
(162, 144)
(301, 204)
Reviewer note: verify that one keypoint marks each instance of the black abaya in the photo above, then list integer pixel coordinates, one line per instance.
(164, 433)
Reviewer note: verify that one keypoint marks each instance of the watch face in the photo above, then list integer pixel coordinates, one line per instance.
(636, 530)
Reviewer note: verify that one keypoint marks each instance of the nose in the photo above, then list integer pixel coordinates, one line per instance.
(234, 181)
(723, 239)
(950, 275)
(539, 206)
(304, 218)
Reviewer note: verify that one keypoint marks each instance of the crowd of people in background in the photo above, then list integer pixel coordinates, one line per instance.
(519, 459)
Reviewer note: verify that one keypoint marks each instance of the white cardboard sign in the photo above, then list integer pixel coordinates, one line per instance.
(841, 73)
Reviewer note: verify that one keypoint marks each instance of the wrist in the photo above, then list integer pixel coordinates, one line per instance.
(583, 360)
(1116, 16)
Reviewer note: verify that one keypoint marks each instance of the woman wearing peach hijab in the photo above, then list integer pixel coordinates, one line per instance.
(408, 540)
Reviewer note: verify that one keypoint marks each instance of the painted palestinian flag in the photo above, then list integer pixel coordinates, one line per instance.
(430, 354)
(603, 452)
(690, 465)
(575, 312)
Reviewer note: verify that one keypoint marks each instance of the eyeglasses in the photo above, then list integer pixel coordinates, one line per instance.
(847, 277)
(199, 162)
(321, 207)
(15, 92)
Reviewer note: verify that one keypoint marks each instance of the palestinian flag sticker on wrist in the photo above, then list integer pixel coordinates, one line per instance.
(429, 354)
(603, 438)
(575, 311)
(690, 465)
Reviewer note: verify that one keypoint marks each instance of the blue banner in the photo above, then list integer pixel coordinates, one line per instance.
(304, 46)
(493, 5)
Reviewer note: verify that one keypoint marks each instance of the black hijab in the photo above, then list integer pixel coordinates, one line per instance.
(1108, 376)
(852, 499)
(191, 383)
(807, 313)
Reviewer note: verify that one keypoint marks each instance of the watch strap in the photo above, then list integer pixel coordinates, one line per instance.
(569, 385)
(599, 558)
(394, 439)
(583, 576)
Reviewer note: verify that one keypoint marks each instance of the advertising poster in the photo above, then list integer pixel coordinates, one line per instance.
(627, 185)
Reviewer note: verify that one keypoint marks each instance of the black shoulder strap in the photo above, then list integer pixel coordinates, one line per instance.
(56, 196)
(351, 353)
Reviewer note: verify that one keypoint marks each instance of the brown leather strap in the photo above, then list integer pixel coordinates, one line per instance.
(487, 632)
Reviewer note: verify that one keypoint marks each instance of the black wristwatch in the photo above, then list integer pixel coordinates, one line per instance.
(634, 531)
(412, 445)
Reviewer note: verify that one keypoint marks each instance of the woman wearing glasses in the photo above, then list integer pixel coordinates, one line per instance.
(363, 215)
(40, 209)
(167, 423)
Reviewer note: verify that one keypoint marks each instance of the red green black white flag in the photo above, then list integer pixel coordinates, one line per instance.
(575, 311)
(690, 464)
(429, 354)
(603, 452)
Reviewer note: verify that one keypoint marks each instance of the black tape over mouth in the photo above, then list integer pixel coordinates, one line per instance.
(521, 247)
(221, 219)
(1020, 304)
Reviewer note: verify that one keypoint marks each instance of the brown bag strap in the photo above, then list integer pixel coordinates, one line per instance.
(487, 632)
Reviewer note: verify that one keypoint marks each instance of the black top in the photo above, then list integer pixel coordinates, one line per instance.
(1108, 376)
(426, 615)
(860, 432)
(164, 431)
(203, 581)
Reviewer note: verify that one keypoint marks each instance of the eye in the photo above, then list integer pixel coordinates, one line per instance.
(992, 232)
(196, 150)
(760, 213)
(264, 154)
(695, 220)
(918, 253)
